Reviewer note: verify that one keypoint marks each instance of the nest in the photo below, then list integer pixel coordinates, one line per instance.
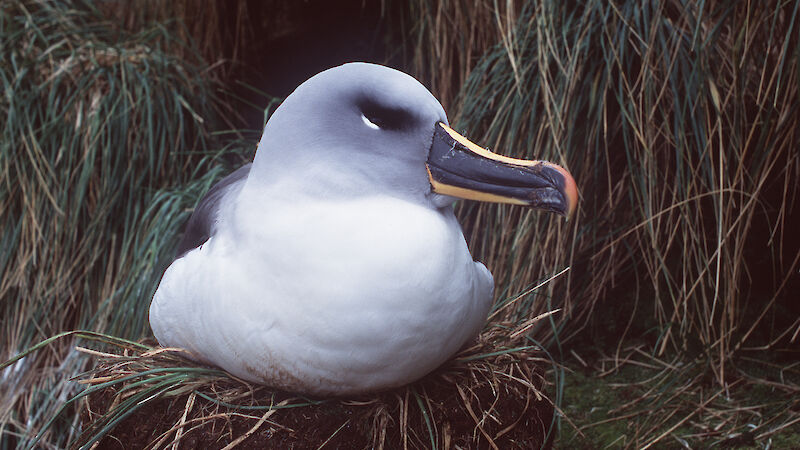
(488, 396)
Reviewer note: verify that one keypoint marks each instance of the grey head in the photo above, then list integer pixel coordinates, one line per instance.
(349, 130)
(354, 129)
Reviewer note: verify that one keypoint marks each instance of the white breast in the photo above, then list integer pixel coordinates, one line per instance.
(327, 298)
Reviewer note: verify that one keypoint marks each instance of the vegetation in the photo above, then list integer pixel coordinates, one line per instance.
(105, 148)
(679, 120)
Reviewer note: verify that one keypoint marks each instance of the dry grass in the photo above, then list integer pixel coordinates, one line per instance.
(490, 394)
(99, 129)
(680, 124)
(638, 400)
(197, 27)
(679, 121)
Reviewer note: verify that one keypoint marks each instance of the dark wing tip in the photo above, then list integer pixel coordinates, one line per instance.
(201, 224)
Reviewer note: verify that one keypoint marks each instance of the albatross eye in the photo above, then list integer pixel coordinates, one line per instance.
(382, 117)
(370, 123)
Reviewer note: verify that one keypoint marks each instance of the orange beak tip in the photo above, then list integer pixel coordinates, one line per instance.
(570, 190)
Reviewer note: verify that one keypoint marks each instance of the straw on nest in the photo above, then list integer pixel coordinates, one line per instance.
(679, 119)
(489, 395)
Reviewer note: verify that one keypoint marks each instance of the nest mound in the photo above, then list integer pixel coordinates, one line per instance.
(488, 396)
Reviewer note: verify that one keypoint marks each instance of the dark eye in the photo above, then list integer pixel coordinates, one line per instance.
(385, 118)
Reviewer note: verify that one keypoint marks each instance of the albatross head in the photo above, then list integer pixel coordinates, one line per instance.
(363, 128)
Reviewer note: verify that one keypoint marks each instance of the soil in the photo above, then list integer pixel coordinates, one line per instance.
(510, 416)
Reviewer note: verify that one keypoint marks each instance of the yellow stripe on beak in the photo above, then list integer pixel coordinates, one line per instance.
(470, 194)
(458, 167)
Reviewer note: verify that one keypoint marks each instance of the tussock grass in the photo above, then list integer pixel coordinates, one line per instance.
(151, 397)
(642, 401)
(202, 23)
(107, 148)
(99, 129)
(680, 122)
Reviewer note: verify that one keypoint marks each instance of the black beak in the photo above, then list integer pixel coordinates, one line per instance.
(459, 168)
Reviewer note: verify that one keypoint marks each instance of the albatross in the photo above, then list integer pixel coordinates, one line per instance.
(333, 263)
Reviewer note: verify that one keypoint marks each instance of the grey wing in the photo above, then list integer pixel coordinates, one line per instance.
(201, 224)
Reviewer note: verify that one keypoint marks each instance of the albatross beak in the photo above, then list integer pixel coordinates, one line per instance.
(459, 168)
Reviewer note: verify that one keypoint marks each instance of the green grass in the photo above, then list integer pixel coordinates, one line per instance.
(679, 121)
(673, 403)
(105, 148)
(132, 382)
